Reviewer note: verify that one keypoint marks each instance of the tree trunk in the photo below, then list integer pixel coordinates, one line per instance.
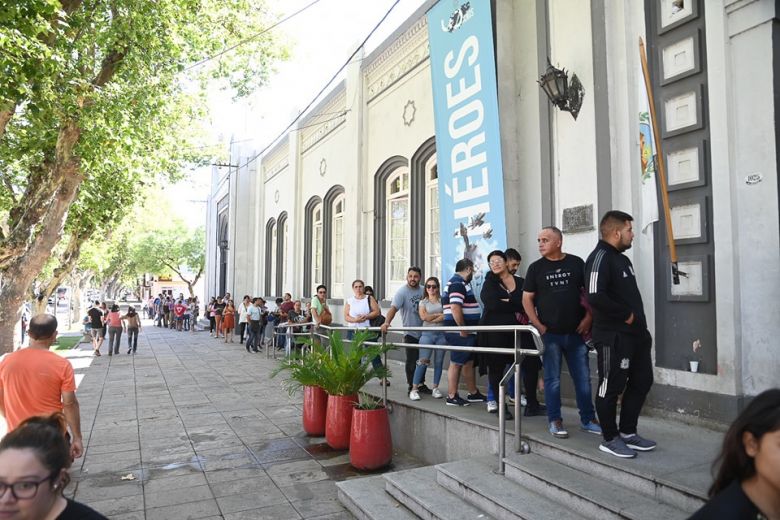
(21, 270)
(6, 113)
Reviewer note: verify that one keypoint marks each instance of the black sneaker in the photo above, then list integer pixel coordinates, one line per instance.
(531, 411)
(476, 398)
(424, 389)
(456, 401)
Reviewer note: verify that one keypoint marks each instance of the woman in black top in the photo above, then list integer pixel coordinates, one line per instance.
(34, 462)
(502, 299)
(747, 485)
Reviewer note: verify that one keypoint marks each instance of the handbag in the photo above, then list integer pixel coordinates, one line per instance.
(326, 318)
(379, 320)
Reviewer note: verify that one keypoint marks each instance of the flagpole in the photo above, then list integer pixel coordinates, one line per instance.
(661, 169)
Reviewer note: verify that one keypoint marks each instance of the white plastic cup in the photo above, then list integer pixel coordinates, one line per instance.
(694, 366)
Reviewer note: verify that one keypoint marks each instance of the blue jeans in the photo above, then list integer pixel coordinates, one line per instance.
(510, 390)
(570, 345)
(430, 338)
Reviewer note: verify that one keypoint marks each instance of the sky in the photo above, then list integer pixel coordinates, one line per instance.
(320, 39)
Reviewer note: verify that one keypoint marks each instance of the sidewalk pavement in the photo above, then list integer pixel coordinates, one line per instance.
(192, 427)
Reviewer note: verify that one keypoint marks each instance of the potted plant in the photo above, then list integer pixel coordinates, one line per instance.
(370, 442)
(304, 371)
(342, 374)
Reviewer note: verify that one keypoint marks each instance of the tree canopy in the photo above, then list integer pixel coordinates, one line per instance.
(100, 98)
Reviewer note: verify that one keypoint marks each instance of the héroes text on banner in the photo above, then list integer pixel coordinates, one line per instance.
(468, 147)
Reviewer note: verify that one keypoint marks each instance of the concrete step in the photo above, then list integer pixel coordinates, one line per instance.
(475, 481)
(670, 473)
(367, 499)
(419, 491)
(585, 492)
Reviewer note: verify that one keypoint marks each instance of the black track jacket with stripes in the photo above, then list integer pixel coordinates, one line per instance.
(613, 293)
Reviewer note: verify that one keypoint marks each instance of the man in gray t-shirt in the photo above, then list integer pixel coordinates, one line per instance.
(407, 300)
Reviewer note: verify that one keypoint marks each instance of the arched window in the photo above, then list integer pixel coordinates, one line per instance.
(330, 245)
(388, 169)
(337, 275)
(432, 239)
(312, 245)
(270, 255)
(397, 229)
(280, 254)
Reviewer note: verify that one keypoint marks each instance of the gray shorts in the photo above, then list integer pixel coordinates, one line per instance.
(97, 333)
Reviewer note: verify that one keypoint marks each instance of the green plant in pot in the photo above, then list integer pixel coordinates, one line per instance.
(342, 375)
(304, 371)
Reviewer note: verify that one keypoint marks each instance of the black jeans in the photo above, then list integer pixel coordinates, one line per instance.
(625, 366)
(530, 367)
(242, 329)
(412, 355)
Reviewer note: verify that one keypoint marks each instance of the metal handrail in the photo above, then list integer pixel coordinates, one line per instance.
(520, 446)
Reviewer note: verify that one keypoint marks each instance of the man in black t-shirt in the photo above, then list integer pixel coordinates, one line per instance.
(552, 299)
(96, 322)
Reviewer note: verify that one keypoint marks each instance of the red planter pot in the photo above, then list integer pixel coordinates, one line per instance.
(338, 422)
(315, 405)
(370, 445)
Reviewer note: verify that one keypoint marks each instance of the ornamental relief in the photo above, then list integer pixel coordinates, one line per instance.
(403, 67)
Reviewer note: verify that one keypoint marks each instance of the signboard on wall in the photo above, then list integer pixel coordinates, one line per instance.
(468, 147)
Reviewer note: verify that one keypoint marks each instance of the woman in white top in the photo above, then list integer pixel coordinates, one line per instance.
(359, 311)
(242, 319)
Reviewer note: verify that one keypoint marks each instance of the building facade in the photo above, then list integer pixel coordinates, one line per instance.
(351, 192)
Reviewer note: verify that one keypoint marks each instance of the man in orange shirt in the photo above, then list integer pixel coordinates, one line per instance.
(35, 381)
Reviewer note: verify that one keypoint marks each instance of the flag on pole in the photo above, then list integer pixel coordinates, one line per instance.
(647, 159)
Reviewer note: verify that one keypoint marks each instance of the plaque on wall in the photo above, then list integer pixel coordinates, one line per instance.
(695, 284)
(689, 221)
(686, 162)
(578, 219)
(682, 112)
(680, 59)
(673, 13)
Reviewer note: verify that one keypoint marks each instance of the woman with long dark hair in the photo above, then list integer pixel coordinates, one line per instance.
(34, 462)
(132, 323)
(432, 315)
(747, 482)
(114, 323)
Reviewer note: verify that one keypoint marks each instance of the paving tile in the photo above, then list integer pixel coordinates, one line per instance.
(277, 512)
(170, 497)
(245, 501)
(191, 510)
(297, 472)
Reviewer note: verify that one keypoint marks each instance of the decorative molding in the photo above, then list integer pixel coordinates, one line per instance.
(405, 54)
(323, 167)
(327, 118)
(409, 111)
(271, 171)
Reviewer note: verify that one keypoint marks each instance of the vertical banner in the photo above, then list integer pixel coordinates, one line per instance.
(647, 159)
(468, 140)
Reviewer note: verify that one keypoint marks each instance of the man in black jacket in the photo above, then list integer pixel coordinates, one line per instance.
(620, 333)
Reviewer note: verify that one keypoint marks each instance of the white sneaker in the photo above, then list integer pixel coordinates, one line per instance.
(437, 393)
(510, 399)
(523, 401)
(492, 406)
(414, 395)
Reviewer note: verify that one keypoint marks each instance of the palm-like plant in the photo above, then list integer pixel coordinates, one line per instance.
(303, 369)
(346, 370)
(342, 371)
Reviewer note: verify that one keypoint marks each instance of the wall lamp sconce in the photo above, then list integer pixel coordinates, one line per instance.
(555, 84)
(223, 244)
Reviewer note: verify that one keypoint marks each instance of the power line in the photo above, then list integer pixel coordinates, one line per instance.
(322, 90)
(254, 36)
